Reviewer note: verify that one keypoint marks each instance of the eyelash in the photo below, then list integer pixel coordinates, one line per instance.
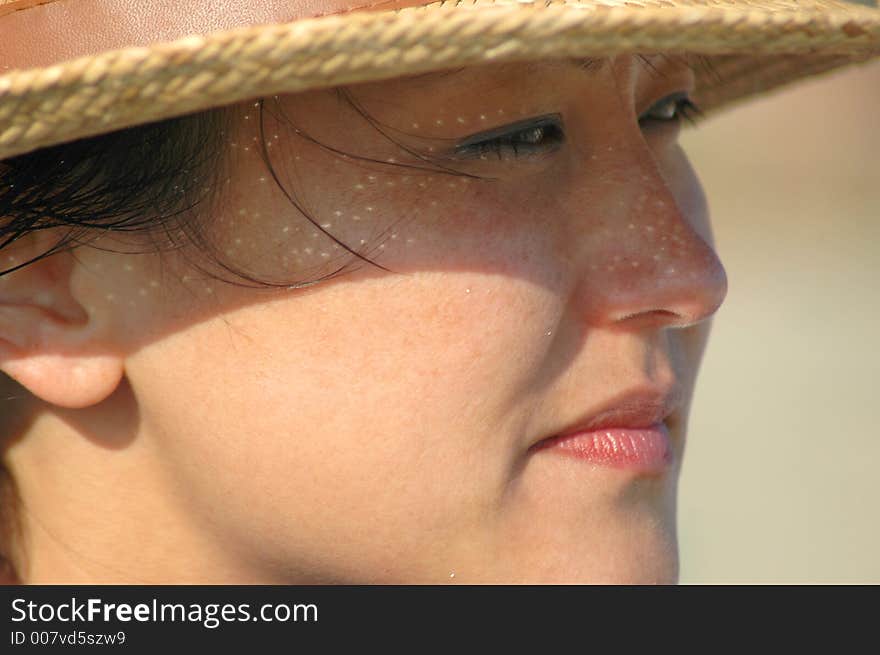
(546, 134)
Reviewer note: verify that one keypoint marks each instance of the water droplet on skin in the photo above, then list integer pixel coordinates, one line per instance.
(632, 226)
(285, 229)
(154, 284)
(460, 120)
(410, 240)
(670, 270)
(482, 117)
(389, 183)
(242, 212)
(238, 242)
(660, 203)
(358, 186)
(369, 209)
(337, 213)
(143, 292)
(635, 264)
(467, 290)
(452, 575)
(549, 332)
(128, 267)
(415, 126)
(593, 267)
(326, 225)
(110, 297)
(617, 258)
(657, 258)
(355, 218)
(209, 290)
(325, 255)
(649, 228)
(308, 251)
(610, 268)
(439, 121)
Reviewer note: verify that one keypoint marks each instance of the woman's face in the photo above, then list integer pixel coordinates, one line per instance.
(379, 427)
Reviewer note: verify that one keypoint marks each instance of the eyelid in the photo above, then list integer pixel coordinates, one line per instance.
(676, 97)
(511, 128)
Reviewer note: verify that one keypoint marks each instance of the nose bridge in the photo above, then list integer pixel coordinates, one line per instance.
(649, 265)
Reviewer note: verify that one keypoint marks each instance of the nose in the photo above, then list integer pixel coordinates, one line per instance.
(649, 266)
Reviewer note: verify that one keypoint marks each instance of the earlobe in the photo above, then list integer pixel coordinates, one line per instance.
(48, 343)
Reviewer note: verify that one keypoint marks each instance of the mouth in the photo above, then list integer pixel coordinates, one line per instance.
(630, 434)
(644, 451)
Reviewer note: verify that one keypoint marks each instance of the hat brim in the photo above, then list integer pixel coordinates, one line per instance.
(752, 47)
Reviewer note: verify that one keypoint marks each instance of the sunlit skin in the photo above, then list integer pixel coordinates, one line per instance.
(375, 427)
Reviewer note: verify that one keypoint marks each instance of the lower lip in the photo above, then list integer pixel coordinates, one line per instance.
(639, 450)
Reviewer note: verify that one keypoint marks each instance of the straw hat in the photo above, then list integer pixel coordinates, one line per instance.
(76, 68)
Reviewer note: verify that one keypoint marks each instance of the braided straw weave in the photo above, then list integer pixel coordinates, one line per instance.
(754, 45)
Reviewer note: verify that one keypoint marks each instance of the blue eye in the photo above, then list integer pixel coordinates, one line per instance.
(535, 136)
(673, 108)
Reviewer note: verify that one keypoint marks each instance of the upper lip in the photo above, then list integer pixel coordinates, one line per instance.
(638, 407)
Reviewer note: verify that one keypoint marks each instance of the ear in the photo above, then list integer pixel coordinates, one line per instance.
(49, 343)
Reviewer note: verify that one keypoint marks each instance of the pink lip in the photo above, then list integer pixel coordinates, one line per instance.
(645, 450)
